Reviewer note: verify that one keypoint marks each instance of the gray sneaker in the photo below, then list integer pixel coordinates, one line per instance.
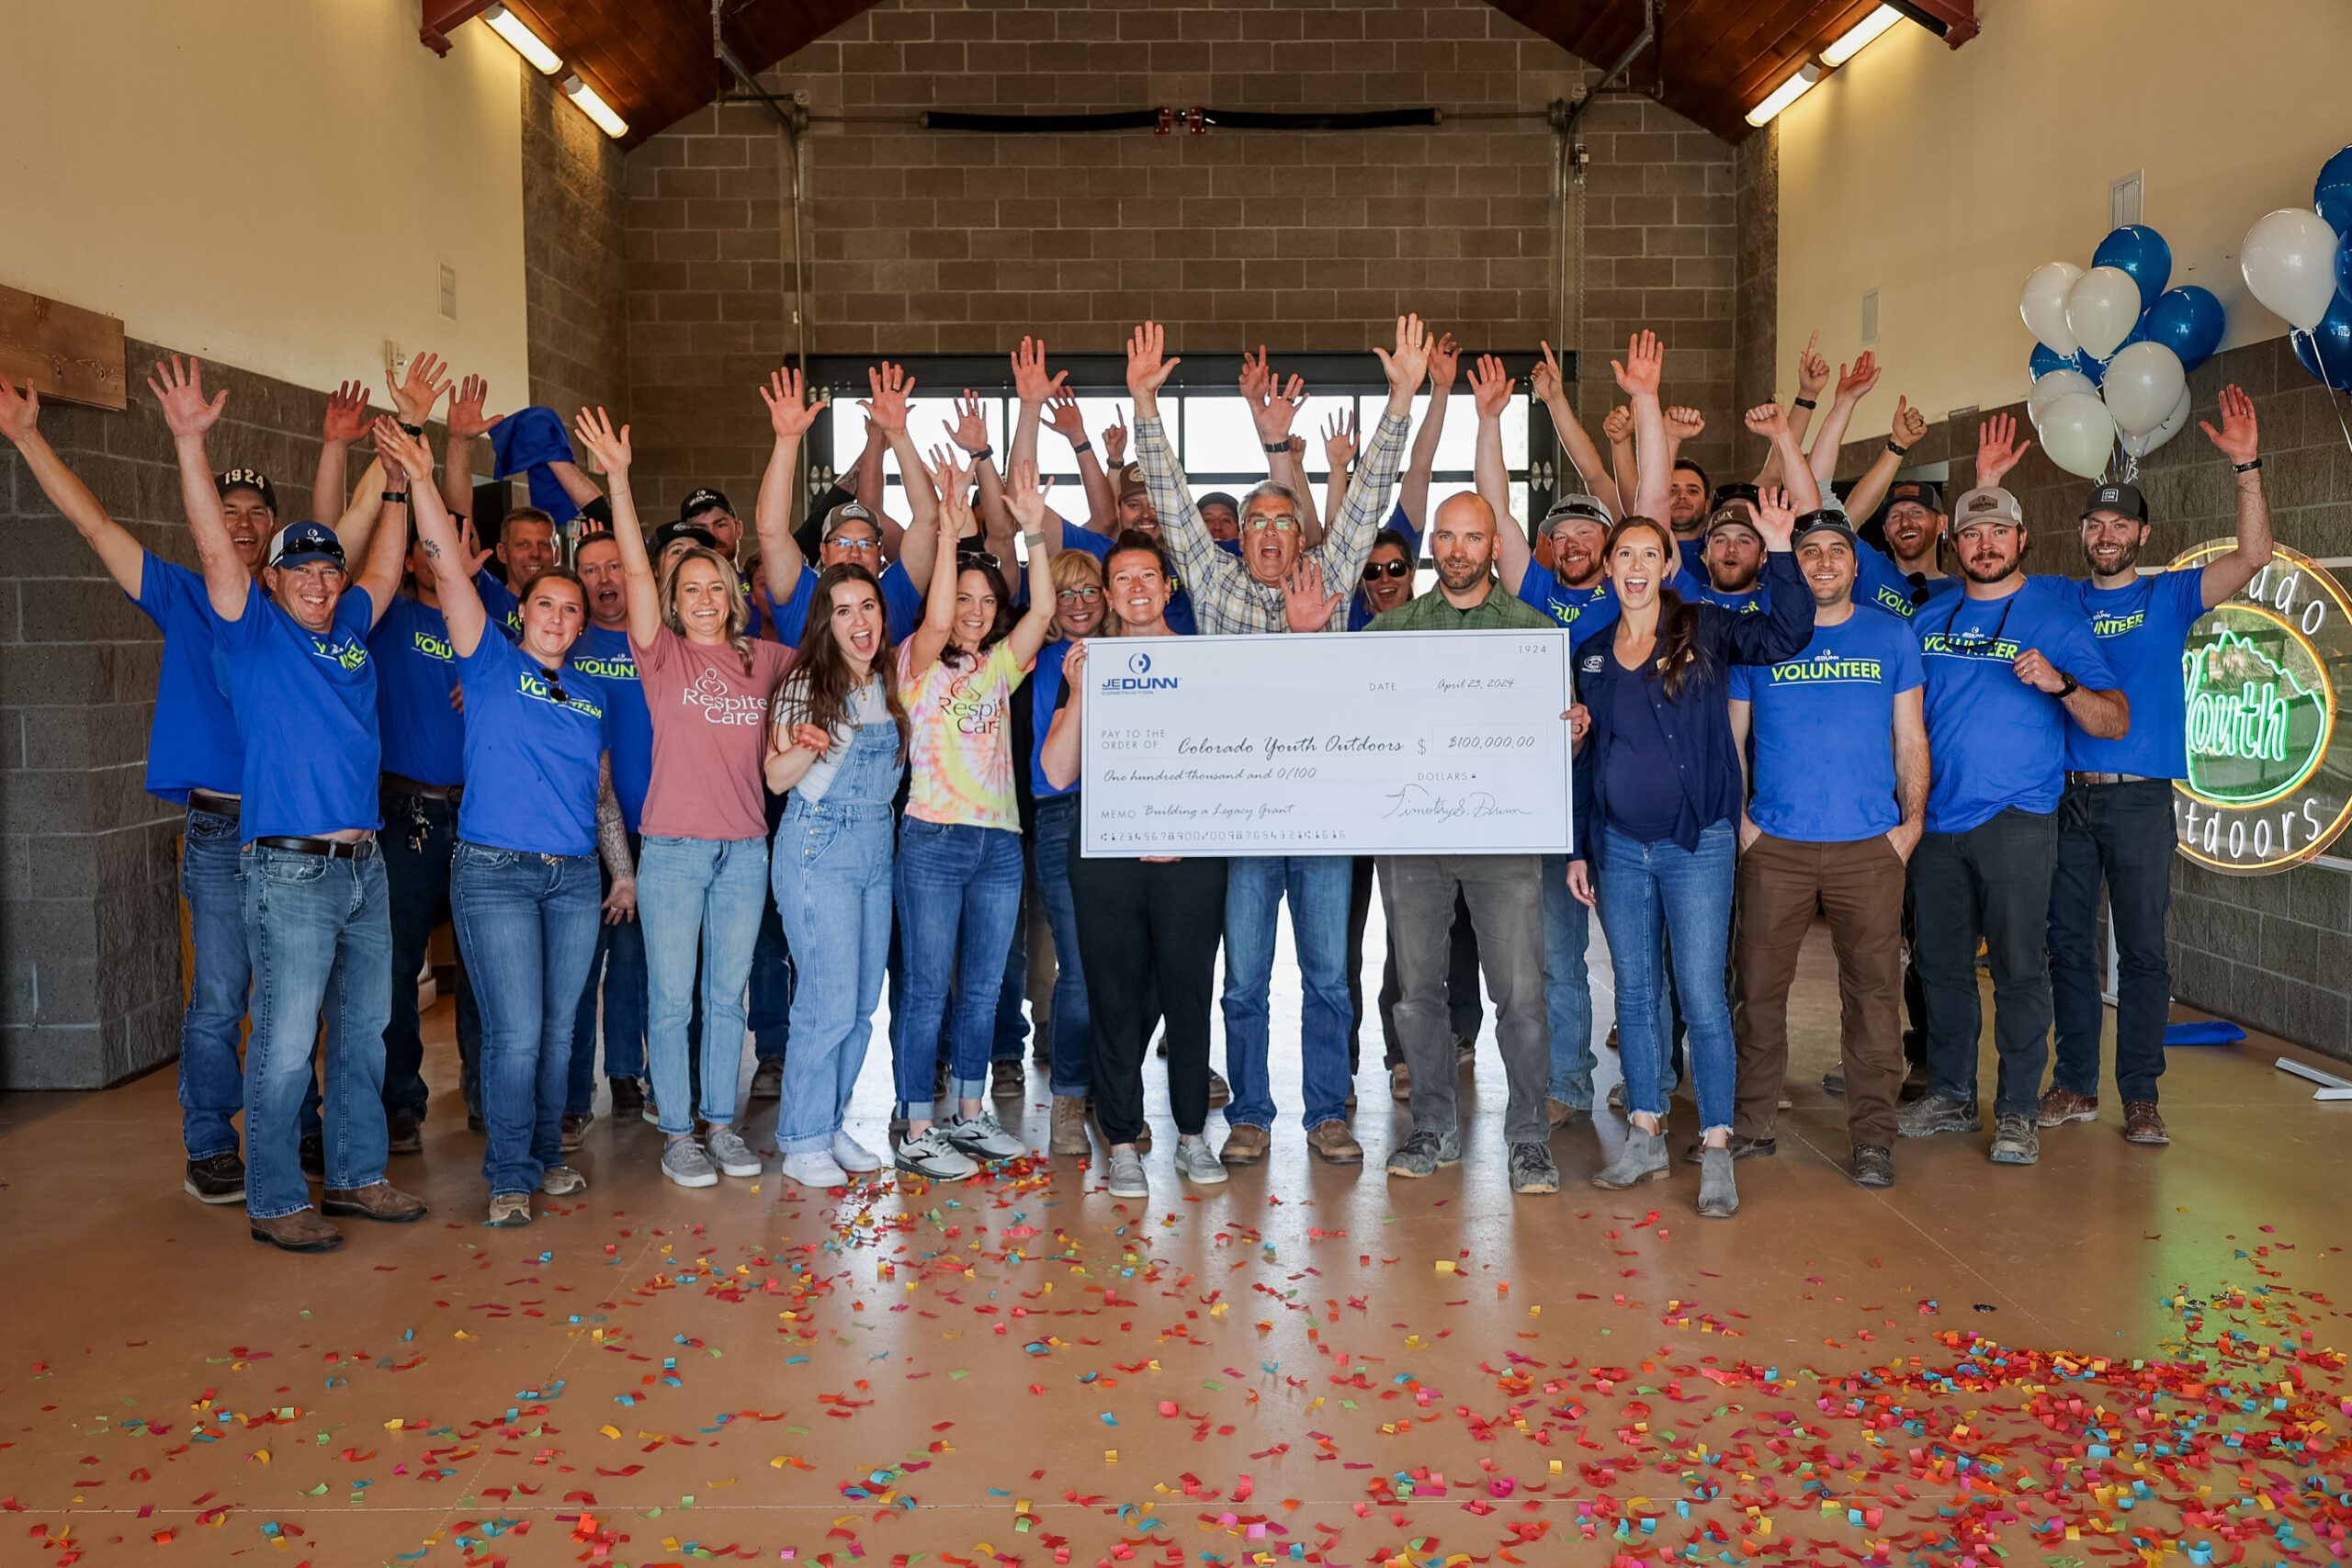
(1933, 1113)
(1532, 1171)
(1422, 1153)
(730, 1154)
(684, 1162)
(1197, 1162)
(933, 1157)
(981, 1137)
(2015, 1139)
(1126, 1174)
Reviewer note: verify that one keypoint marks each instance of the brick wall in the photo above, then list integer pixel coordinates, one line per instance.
(937, 243)
(572, 256)
(2274, 953)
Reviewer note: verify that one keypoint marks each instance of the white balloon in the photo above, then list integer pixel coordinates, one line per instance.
(2053, 386)
(2289, 259)
(2043, 306)
(2078, 433)
(2103, 307)
(2143, 382)
(2174, 422)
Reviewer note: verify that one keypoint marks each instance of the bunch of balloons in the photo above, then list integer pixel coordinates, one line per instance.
(2298, 261)
(2115, 347)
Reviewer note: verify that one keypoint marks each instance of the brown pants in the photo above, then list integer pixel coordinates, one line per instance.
(1859, 886)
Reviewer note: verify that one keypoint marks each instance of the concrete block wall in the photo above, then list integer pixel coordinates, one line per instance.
(571, 257)
(922, 242)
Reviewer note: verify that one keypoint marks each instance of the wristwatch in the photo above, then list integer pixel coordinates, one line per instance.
(2070, 688)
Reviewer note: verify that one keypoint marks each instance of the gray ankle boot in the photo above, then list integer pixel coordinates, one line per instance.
(1642, 1159)
(1718, 1194)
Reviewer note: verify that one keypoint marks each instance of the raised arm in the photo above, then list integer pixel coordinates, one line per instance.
(436, 537)
(1786, 624)
(1063, 757)
(1366, 507)
(1909, 429)
(1813, 375)
(1617, 429)
(1638, 376)
(1032, 389)
(346, 422)
(1413, 484)
(189, 415)
(1771, 422)
(386, 557)
(2240, 443)
(1027, 500)
(1339, 455)
(790, 416)
(1273, 408)
(610, 449)
(467, 423)
(1197, 557)
(970, 431)
(1853, 386)
(123, 557)
(929, 638)
(1490, 391)
(1101, 503)
(1583, 455)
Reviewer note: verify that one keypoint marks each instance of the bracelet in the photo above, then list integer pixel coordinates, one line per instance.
(1033, 537)
(1079, 446)
(1891, 447)
(2246, 467)
(412, 429)
(396, 497)
(1274, 447)
(981, 455)
(1805, 403)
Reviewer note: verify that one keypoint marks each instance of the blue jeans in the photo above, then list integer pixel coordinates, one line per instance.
(699, 898)
(1073, 1017)
(1567, 987)
(1317, 888)
(831, 870)
(419, 835)
(320, 932)
(619, 958)
(958, 890)
(526, 924)
(1646, 890)
(1012, 989)
(212, 1088)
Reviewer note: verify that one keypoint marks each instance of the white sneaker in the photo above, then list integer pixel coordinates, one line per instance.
(854, 1156)
(982, 1136)
(814, 1168)
(932, 1156)
(730, 1154)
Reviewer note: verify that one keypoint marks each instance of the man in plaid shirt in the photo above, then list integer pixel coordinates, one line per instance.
(1273, 586)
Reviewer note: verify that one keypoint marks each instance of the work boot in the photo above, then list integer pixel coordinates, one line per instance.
(1873, 1165)
(2061, 1106)
(2142, 1124)
(1931, 1114)
(1068, 1134)
(1332, 1141)
(1247, 1144)
(301, 1230)
(379, 1200)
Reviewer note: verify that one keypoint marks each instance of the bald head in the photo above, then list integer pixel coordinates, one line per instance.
(1462, 543)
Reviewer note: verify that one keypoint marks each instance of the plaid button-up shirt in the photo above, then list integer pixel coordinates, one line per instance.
(1225, 599)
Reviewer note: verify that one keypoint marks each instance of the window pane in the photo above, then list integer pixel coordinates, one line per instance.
(1219, 439)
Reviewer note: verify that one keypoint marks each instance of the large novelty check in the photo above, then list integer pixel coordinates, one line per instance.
(1371, 743)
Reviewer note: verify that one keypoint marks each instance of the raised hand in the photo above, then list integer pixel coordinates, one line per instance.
(466, 418)
(1774, 517)
(19, 410)
(1273, 412)
(1410, 361)
(1256, 381)
(1543, 379)
(789, 415)
(1684, 423)
(1445, 361)
(1305, 604)
(1031, 384)
(2237, 440)
(1025, 497)
(971, 429)
(610, 449)
(892, 388)
(954, 482)
(1643, 366)
(1149, 365)
(1617, 426)
(1768, 420)
(180, 388)
(1340, 440)
(1813, 371)
(422, 388)
(1062, 414)
(1114, 440)
(1490, 390)
(408, 453)
(1854, 384)
(1911, 425)
(347, 416)
(1996, 449)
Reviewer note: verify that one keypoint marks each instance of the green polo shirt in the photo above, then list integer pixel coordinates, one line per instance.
(1500, 611)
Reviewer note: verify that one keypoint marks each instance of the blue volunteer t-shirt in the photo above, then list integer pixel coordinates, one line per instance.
(1359, 613)
(2142, 629)
(1879, 585)
(1698, 588)
(1043, 695)
(193, 743)
(605, 655)
(1694, 556)
(505, 611)
(901, 602)
(1583, 611)
(1993, 741)
(417, 669)
(532, 760)
(1823, 730)
(306, 704)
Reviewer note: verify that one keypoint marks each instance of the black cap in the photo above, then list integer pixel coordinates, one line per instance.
(2122, 497)
(1925, 493)
(249, 478)
(693, 533)
(1224, 498)
(1822, 518)
(702, 501)
(1724, 492)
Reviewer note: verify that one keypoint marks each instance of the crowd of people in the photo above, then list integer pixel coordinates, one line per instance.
(671, 792)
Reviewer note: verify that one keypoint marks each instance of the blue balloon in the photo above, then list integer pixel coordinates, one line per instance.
(2141, 251)
(2094, 369)
(2332, 192)
(2189, 321)
(2046, 359)
(2344, 267)
(2327, 351)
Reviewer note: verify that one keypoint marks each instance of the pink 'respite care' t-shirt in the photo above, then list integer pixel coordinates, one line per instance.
(710, 730)
(960, 758)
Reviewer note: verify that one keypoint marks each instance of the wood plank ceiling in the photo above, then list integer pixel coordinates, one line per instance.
(652, 59)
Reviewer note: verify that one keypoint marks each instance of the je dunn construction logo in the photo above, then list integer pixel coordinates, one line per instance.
(2269, 767)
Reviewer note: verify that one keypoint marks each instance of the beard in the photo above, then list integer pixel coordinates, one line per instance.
(2124, 561)
(1990, 572)
(1460, 575)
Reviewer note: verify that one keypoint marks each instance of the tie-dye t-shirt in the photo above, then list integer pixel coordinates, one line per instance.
(961, 760)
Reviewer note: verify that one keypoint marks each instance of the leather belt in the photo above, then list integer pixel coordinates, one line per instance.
(219, 805)
(394, 783)
(2075, 778)
(334, 849)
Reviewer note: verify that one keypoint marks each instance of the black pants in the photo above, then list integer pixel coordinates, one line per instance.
(2121, 834)
(1992, 881)
(1462, 1009)
(1148, 936)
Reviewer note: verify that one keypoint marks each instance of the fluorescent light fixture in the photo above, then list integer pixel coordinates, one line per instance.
(1786, 93)
(1860, 35)
(594, 107)
(526, 42)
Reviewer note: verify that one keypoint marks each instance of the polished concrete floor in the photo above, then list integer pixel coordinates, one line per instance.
(2124, 1353)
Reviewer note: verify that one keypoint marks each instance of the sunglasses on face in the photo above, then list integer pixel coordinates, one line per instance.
(1067, 595)
(1387, 569)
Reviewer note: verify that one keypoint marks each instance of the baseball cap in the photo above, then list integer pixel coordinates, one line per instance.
(1727, 493)
(249, 478)
(1224, 498)
(1131, 480)
(1987, 501)
(2125, 499)
(1731, 515)
(693, 533)
(1575, 507)
(702, 501)
(299, 544)
(847, 511)
(1923, 492)
(1823, 518)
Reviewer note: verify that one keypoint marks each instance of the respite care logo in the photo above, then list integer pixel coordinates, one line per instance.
(1137, 677)
(2269, 769)
(720, 704)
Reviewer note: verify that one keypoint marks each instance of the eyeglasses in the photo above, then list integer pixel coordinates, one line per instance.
(859, 544)
(1067, 594)
(1389, 569)
(1284, 523)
